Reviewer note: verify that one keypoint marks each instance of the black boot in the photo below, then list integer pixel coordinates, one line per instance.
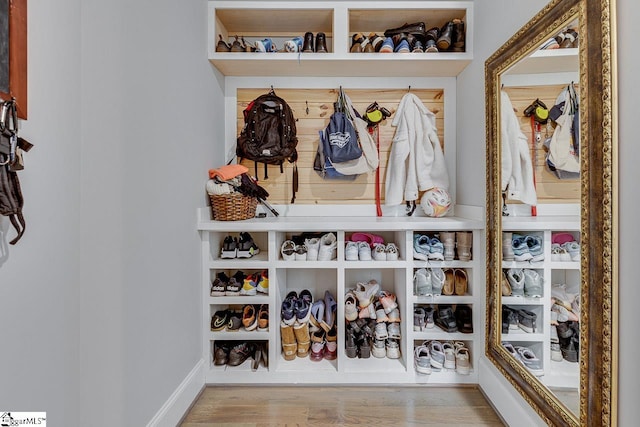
(308, 43)
(444, 41)
(321, 43)
(458, 36)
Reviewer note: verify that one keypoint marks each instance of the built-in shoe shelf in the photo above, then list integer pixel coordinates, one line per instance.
(556, 374)
(337, 276)
(284, 20)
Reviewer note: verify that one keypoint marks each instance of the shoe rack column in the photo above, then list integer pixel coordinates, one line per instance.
(341, 36)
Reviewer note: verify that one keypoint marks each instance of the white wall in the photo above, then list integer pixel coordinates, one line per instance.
(174, 135)
(628, 57)
(39, 276)
(152, 122)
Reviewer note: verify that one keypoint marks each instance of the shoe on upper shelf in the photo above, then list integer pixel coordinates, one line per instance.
(246, 246)
(265, 46)
(416, 28)
(229, 247)
(421, 246)
(321, 43)
(533, 283)
(313, 248)
(328, 246)
(364, 251)
(379, 252)
(294, 45)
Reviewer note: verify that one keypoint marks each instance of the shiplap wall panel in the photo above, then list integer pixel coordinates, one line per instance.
(313, 189)
(549, 188)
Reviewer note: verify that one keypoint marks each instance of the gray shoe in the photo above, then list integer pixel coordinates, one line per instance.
(527, 320)
(437, 355)
(516, 280)
(533, 283)
(422, 360)
(422, 282)
(437, 280)
(530, 361)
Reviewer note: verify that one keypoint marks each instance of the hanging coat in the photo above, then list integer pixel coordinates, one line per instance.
(517, 169)
(416, 162)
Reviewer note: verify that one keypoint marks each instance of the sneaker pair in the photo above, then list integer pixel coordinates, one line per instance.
(235, 283)
(426, 248)
(292, 252)
(527, 248)
(389, 47)
(254, 283)
(366, 292)
(244, 247)
(525, 282)
(265, 46)
(527, 357)
(382, 252)
(428, 282)
(354, 251)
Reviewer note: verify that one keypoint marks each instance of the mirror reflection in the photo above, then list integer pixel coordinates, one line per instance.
(540, 183)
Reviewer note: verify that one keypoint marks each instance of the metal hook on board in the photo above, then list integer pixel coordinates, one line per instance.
(409, 90)
(307, 109)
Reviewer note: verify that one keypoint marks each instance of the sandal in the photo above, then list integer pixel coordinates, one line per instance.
(449, 282)
(461, 281)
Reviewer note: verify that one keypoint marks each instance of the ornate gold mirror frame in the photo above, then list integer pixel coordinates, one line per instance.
(599, 257)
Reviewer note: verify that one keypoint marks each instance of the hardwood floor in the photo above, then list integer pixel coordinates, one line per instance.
(344, 406)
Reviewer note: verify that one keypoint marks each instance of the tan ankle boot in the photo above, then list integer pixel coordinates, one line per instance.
(463, 242)
(448, 239)
(303, 338)
(289, 344)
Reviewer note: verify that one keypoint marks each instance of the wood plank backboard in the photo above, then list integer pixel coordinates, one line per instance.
(312, 188)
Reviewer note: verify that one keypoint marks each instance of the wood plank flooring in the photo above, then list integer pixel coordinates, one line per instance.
(258, 406)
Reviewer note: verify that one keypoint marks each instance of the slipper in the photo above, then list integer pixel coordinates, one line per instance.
(371, 239)
(449, 282)
(461, 281)
(562, 238)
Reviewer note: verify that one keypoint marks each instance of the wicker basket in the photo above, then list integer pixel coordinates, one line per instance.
(232, 207)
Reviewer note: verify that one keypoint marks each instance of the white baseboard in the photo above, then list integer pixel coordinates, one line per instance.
(506, 400)
(181, 399)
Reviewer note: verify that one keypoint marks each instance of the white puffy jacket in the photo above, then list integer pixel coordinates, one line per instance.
(416, 162)
(517, 170)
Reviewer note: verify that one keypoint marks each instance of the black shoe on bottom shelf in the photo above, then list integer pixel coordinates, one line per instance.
(464, 319)
(445, 319)
(240, 352)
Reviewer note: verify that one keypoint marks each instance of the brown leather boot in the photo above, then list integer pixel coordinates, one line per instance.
(222, 45)
(237, 46)
(321, 43)
(308, 42)
(457, 41)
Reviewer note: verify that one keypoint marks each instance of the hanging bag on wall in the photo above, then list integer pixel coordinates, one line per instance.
(269, 135)
(11, 147)
(359, 147)
(563, 156)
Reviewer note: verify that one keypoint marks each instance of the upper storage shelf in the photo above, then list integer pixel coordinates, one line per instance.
(339, 21)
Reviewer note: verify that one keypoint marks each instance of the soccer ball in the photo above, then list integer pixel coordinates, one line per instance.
(435, 202)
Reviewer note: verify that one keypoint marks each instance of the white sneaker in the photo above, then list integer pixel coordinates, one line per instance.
(449, 355)
(364, 251)
(393, 349)
(313, 246)
(288, 250)
(574, 250)
(351, 251)
(379, 252)
(328, 245)
(301, 253)
(463, 365)
(350, 306)
(366, 292)
(392, 252)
